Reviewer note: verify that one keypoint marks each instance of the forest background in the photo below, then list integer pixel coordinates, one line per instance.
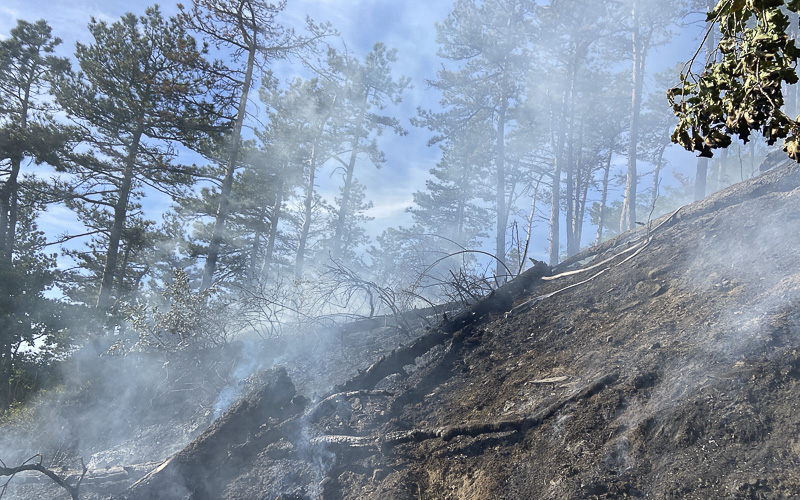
(169, 183)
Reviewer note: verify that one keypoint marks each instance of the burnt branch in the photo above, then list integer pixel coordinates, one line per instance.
(520, 425)
(347, 284)
(30, 465)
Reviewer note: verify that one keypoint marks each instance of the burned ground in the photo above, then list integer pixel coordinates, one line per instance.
(663, 364)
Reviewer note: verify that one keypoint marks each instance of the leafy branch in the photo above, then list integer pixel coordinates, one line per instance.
(741, 92)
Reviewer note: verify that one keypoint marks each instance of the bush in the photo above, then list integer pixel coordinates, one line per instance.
(186, 321)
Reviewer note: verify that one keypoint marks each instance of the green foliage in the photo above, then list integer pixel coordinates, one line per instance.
(187, 321)
(36, 329)
(742, 92)
(145, 85)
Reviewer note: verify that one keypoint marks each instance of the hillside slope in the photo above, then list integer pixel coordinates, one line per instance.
(669, 367)
(663, 364)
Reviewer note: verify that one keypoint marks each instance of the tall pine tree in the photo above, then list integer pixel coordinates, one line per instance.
(142, 87)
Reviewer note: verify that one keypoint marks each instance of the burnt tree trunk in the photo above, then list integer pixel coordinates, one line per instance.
(201, 470)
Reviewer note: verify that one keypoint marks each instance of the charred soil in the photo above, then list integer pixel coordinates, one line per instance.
(662, 364)
(671, 369)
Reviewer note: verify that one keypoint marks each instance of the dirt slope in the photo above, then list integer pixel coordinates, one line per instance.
(669, 370)
(664, 364)
(702, 328)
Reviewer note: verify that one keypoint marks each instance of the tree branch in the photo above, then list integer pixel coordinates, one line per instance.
(27, 466)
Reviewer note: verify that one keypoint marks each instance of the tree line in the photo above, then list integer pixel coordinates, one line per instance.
(540, 103)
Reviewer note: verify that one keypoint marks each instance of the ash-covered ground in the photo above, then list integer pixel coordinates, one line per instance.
(663, 364)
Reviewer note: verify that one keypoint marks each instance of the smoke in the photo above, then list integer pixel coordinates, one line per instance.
(739, 290)
(246, 364)
(144, 407)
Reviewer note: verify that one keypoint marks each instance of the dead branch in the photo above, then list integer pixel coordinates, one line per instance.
(38, 467)
(346, 284)
(520, 425)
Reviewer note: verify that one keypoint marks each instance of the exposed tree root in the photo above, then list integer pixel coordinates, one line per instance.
(347, 442)
(520, 425)
(475, 429)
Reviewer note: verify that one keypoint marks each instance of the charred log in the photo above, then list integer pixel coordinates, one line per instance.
(199, 470)
(498, 302)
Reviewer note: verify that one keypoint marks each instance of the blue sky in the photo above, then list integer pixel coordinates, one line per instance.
(407, 26)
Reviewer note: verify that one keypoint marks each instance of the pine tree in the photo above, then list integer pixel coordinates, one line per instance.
(367, 88)
(143, 87)
(27, 127)
(453, 203)
(249, 30)
(28, 317)
(489, 41)
(28, 132)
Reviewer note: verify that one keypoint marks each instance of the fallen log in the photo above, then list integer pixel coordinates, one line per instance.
(497, 302)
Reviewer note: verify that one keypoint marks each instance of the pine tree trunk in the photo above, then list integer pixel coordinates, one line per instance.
(273, 229)
(227, 182)
(120, 214)
(123, 270)
(604, 196)
(569, 202)
(502, 216)
(581, 213)
(255, 250)
(555, 200)
(722, 169)
(307, 211)
(8, 193)
(657, 176)
(700, 179)
(6, 372)
(571, 187)
(628, 219)
(338, 235)
(308, 203)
